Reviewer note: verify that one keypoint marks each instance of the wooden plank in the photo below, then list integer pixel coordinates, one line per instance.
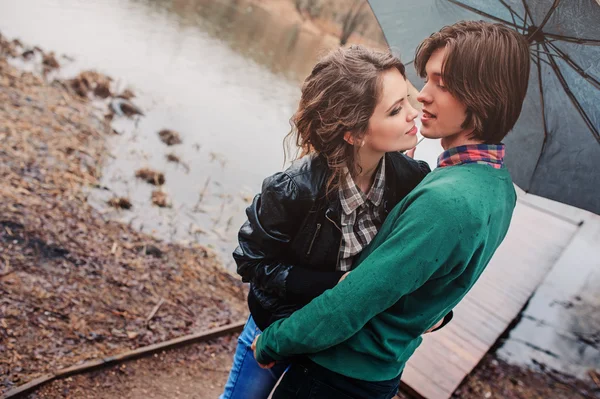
(534, 243)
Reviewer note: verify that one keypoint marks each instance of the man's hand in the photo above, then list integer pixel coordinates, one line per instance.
(343, 277)
(439, 323)
(253, 347)
(411, 153)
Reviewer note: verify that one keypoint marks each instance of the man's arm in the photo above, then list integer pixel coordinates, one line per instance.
(415, 249)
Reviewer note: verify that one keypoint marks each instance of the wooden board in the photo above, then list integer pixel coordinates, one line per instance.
(534, 243)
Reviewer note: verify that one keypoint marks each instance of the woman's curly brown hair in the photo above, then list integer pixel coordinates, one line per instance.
(339, 96)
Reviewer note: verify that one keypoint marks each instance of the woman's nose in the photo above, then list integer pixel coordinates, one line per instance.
(412, 113)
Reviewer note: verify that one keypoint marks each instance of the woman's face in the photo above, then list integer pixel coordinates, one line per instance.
(392, 126)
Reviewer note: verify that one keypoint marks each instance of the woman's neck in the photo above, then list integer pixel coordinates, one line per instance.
(367, 165)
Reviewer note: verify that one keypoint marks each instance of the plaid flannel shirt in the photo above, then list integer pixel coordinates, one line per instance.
(487, 154)
(361, 216)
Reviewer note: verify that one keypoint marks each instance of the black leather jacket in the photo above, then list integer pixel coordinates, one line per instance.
(289, 246)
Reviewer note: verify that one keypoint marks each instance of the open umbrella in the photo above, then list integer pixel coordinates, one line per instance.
(554, 149)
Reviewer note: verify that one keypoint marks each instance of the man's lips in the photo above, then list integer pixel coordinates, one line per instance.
(428, 114)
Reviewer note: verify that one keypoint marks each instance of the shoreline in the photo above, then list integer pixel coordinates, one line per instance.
(75, 286)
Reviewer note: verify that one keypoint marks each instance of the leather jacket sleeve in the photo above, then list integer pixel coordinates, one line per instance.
(273, 220)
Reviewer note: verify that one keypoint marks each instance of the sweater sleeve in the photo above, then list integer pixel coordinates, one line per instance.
(413, 250)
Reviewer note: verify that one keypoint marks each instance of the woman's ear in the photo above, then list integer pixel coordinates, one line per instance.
(348, 138)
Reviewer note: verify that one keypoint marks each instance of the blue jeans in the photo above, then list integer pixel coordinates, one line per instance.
(246, 379)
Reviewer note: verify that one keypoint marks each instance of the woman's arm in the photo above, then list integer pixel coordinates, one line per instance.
(274, 219)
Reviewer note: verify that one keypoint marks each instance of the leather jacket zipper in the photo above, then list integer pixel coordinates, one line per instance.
(341, 238)
(314, 238)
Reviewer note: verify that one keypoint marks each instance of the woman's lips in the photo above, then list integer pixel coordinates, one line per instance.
(412, 131)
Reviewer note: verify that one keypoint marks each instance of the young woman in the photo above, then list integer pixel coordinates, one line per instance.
(309, 222)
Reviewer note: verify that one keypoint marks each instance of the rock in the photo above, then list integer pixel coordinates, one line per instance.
(126, 94)
(169, 137)
(92, 81)
(102, 90)
(159, 198)
(80, 86)
(49, 61)
(151, 250)
(173, 158)
(27, 54)
(122, 107)
(151, 176)
(120, 203)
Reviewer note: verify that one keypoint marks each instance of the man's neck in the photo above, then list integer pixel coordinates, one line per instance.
(457, 140)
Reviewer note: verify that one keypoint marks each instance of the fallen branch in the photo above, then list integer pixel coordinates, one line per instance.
(129, 355)
(151, 315)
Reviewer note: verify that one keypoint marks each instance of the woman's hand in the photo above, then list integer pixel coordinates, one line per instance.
(253, 347)
(439, 323)
(343, 277)
(411, 153)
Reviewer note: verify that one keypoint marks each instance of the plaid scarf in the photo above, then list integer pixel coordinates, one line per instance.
(487, 154)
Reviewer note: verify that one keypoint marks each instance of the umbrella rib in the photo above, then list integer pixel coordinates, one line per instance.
(514, 22)
(575, 66)
(546, 18)
(537, 50)
(543, 106)
(513, 13)
(576, 103)
(578, 40)
(483, 14)
(527, 14)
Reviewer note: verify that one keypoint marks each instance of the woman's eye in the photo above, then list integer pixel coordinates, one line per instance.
(395, 111)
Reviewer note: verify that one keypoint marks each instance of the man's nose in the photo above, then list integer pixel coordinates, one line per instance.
(423, 96)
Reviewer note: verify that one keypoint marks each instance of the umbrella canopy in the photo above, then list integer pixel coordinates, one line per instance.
(554, 149)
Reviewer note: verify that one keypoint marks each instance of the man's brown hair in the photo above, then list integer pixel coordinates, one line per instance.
(487, 69)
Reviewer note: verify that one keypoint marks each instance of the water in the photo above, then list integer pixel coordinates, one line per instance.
(225, 74)
(560, 327)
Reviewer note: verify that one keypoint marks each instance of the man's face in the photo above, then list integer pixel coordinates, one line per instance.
(443, 114)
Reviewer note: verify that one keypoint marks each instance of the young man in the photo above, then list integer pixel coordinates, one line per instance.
(435, 244)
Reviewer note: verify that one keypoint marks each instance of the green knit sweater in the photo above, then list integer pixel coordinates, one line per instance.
(429, 252)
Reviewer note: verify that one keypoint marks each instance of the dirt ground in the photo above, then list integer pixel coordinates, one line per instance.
(199, 371)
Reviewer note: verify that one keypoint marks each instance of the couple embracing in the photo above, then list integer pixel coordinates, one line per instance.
(357, 250)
